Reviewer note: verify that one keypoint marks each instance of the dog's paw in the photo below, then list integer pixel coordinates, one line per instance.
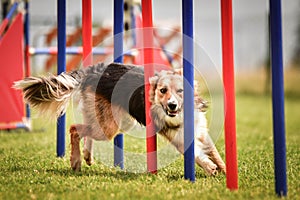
(75, 164)
(88, 157)
(209, 167)
(222, 168)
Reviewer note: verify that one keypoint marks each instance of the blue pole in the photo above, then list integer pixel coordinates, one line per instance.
(118, 57)
(61, 67)
(188, 73)
(12, 10)
(5, 21)
(26, 23)
(26, 44)
(278, 99)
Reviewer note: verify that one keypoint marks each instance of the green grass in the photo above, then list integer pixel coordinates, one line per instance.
(29, 168)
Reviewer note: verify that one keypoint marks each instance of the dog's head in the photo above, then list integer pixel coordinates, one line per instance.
(167, 91)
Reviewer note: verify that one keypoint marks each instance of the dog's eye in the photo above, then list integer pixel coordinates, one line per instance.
(163, 90)
(180, 91)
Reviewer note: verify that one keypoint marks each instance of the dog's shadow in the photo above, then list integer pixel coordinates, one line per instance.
(94, 171)
(123, 175)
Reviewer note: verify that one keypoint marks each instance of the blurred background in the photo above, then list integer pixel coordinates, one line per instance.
(250, 25)
(251, 41)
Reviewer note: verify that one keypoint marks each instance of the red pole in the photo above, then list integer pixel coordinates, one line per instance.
(149, 72)
(229, 101)
(87, 39)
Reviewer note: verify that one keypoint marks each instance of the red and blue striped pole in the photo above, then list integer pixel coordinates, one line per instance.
(118, 57)
(149, 72)
(188, 73)
(278, 99)
(8, 17)
(76, 51)
(229, 96)
(61, 67)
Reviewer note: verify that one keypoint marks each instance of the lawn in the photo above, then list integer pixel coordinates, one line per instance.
(29, 168)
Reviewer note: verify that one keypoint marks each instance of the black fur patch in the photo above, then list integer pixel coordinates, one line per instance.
(119, 84)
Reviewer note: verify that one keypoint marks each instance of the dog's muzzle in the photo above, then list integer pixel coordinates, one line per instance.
(172, 109)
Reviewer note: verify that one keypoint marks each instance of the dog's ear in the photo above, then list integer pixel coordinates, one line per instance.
(179, 71)
(153, 81)
(153, 84)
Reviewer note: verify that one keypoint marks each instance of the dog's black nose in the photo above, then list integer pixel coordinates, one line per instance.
(172, 106)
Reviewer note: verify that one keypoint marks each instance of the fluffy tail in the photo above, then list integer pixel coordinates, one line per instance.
(50, 94)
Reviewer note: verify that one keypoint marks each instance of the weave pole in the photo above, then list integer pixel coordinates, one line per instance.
(61, 67)
(118, 57)
(26, 53)
(149, 72)
(229, 96)
(278, 99)
(188, 74)
(5, 21)
(87, 38)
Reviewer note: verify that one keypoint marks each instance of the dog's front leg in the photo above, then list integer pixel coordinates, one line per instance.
(206, 154)
(176, 137)
(215, 156)
(203, 160)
